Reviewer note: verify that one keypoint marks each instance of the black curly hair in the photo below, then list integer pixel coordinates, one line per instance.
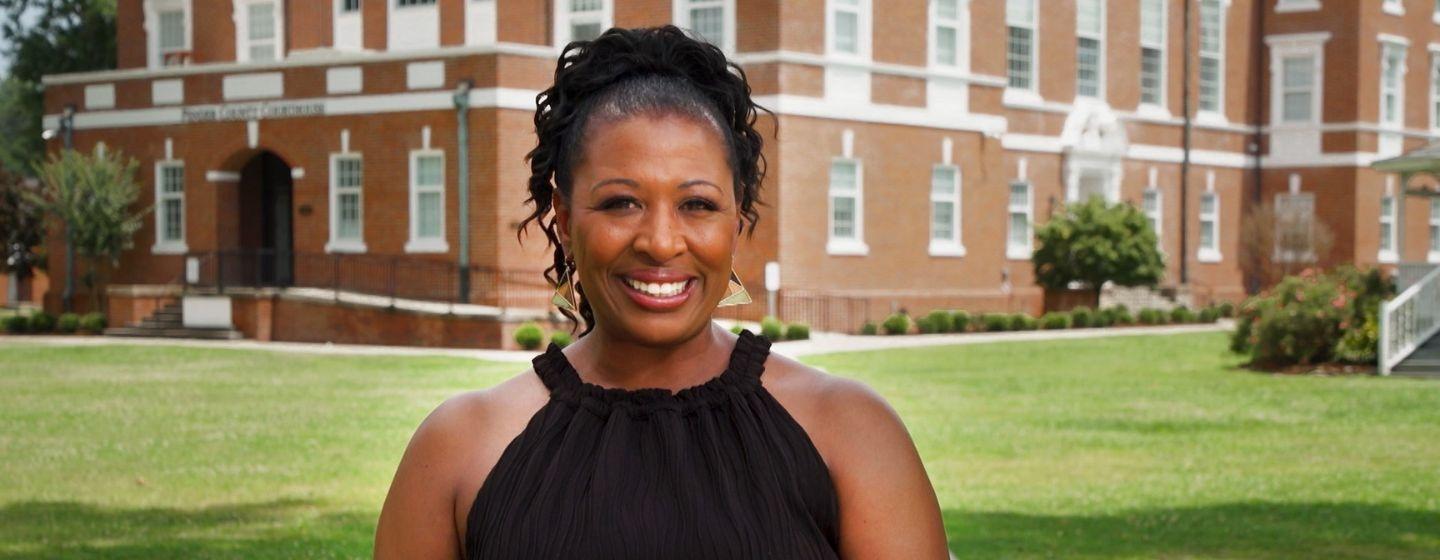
(627, 72)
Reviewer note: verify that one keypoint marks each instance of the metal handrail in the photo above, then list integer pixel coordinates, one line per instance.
(1408, 320)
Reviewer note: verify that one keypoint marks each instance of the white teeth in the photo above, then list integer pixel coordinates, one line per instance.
(657, 290)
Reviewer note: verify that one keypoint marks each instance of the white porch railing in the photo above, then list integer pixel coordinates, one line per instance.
(1408, 320)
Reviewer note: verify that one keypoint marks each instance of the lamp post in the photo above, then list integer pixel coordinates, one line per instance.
(67, 130)
(462, 112)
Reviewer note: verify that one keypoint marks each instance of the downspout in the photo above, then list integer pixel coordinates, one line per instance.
(462, 185)
(67, 130)
(1185, 148)
(1261, 93)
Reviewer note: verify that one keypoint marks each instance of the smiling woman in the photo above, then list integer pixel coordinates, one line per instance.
(628, 444)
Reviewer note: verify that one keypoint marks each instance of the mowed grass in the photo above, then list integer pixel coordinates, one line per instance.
(1135, 447)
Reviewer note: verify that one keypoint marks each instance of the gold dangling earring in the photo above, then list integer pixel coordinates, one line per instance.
(735, 293)
(564, 297)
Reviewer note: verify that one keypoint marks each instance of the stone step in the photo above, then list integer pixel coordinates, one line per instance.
(198, 333)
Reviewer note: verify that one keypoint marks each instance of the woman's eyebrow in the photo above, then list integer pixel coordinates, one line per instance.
(632, 184)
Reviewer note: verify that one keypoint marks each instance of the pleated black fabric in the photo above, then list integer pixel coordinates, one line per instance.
(715, 471)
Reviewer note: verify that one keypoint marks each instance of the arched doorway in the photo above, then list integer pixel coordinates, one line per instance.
(266, 225)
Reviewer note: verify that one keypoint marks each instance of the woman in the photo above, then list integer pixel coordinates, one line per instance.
(627, 444)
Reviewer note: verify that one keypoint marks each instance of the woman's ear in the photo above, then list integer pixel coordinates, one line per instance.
(562, 218)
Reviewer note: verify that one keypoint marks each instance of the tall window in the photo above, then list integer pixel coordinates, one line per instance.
(711, 20)
(169, 207)
(1392, 84)
(1435, 226)
(1020, 43)
(260, 18)
(349, 6)
(1212, 55)
(1387, 229)
(1151, 206)
(947, 33)
(582, 20)
(846, 208)
(1295, 227)
(1089, 48)
(346, 203)
(1209, 226)
(1297, 89)
(1017, 244)
(1152, 52)
(945, 209)
(1435, 89)
(849, 27)
(427, 202)
(169, 25)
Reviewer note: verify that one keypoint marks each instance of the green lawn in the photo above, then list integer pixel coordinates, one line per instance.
(1138, 447)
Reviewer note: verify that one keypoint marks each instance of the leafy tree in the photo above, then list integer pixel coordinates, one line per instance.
(1093, 243)
(46, 37)
(22, 225)
(94, 196)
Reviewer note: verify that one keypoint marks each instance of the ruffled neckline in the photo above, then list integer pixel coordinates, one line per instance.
(741, 374)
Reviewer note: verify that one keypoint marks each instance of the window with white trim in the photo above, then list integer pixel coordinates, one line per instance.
(1289, 6)
(1150, 204)
(945, 210)
(347, 215)
(1392, 84)
(260, 38)
(1212, 55)
(1393, 7)
(582, 20)
(349, 6)
(1209, 226)
(949, 33)
(1297, 89)
(1020, 44)
(1435, 89)
(168, 23)
(1387, 229)
(848, 28)
(847, 212)
(1295, 227)
(710, 20)
(1090, 48)
(1018, 242)
(409, 3)
(1434, 229)
(347, 26)
(427, 202)
(169, 207)
(1152, 52)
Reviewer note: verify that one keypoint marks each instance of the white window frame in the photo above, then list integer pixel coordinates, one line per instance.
(1292, 6)
(681, 9)
(1391, 254)
(162, 245)
(1435, 14)
(863, 27)
(1013, 251)
(955, 245)
(1031, 92)
(961, 24)
(241, 17)
(1286, 88)
(154, 56)
(1393, 7)
(1390, 44)
(1284, 256)
(1434, 88)
(1100, 51)
(336, 244)
(1209, 254)
(1155, 215)
(846, 245)
(563, 19)
(1297, 45)
(1162, 108)
(1215, 114)
(418, 244)
(1433, 255)
(341, 19)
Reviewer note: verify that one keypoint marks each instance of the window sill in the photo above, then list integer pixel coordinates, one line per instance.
(1209, 256)
(1389, 257)
(1297, 6)
(1433, 256)
(427, 246)
(1022, 98)
(345, 247)
(1393, 9)
(1153, 111)
(169, 248)
(1018, 253)
(946, 249)
(1211, 118)
(847, 247)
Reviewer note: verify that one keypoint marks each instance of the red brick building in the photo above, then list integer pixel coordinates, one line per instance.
(317, 141)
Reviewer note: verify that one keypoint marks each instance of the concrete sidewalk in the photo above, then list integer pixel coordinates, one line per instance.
(821, 343)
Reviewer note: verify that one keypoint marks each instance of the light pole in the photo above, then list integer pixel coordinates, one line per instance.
(67, 130)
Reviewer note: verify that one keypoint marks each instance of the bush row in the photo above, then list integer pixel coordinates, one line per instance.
(39, 323)
(944, 321)
(774, 330)
(531, 336)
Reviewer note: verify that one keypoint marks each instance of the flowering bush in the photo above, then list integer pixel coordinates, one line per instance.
(1313, 317)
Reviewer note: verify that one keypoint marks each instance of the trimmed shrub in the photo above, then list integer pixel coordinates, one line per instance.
(898, 323)
(92, 322)
(940, 321)
(67, 323)
(1023, 322)
(1055, 320)
(797, 331)
(995, 322)
(869, 328)
(1182, 314)
(560, 338)
(1082, 317)
(960, 321)
(771, 328)
(529, 336)
(1209, 315)
(42, 322)
(1151, 317)
(1313, 318)
(1120, 315)
(1102, 318)
(16, 324)
(1227, 309)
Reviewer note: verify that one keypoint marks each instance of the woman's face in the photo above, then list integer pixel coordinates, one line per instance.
(652, 225)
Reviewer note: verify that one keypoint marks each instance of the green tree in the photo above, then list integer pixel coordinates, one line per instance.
(46, 37)
(1093, 243)
(94, 196)
(22, 225)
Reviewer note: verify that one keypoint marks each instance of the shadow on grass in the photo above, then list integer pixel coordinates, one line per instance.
(1236, 530)
(276, 529)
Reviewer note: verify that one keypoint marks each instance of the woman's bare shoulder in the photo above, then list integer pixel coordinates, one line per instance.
(826, 405)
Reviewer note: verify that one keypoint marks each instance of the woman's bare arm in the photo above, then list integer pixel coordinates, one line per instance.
(418, 519)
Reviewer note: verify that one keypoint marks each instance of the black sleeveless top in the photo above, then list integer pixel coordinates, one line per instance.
(715, 471)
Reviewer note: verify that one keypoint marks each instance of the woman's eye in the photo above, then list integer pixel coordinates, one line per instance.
(618, 202)
(699, 204)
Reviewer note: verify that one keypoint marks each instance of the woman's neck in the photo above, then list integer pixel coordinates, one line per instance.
(610, 359)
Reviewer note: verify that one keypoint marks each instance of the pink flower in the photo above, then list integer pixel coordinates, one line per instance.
(1339, 302)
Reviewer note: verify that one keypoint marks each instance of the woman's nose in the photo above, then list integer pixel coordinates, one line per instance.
(660, 237)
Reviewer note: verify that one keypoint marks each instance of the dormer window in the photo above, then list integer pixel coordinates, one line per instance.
(167, 23)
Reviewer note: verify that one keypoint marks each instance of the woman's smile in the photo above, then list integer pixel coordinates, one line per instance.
(658, 291)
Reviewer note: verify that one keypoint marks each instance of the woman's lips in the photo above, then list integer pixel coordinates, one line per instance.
(654, 302)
